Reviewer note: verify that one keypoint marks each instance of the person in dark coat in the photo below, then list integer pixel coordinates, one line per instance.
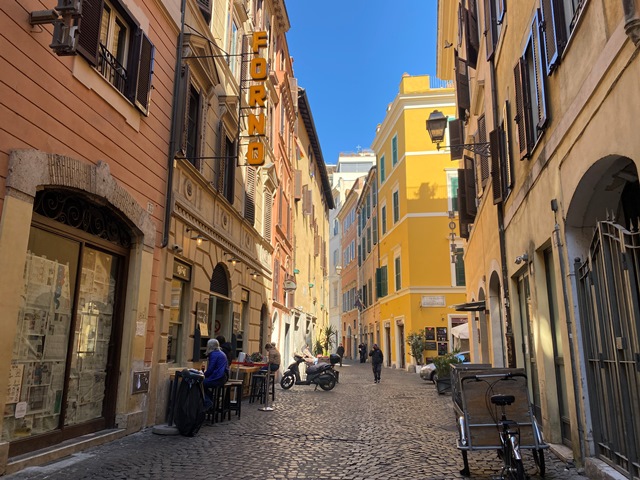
(376, 362)
(363, 353)
(340, 351)
(226, 348)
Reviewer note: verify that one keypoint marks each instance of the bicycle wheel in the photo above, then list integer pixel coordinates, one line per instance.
(515, 468)
(538, 457)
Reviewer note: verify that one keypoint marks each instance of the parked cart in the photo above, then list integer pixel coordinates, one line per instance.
(472, 388)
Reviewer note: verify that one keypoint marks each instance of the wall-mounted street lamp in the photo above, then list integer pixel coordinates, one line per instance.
(233, 260)
(199, 238)
(437, 125)
(255, 275)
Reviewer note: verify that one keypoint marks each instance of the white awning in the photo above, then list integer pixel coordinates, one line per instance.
(461, 331)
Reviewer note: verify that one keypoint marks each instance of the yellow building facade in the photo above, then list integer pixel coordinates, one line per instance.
(416, 281)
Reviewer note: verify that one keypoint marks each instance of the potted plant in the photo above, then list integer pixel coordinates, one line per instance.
(443, 370)
(416, 342)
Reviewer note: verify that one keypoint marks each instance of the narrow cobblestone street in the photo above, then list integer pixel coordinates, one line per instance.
(398, 429)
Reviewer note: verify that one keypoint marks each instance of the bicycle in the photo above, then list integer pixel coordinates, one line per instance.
(510, 440)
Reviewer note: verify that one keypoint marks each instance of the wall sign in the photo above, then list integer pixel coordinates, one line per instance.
(257, 100)
(432, 301)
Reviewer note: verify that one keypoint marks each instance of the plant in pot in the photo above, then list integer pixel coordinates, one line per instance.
(443, 370)
(417, 345)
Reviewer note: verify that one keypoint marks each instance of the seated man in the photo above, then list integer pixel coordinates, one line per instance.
(217, 372)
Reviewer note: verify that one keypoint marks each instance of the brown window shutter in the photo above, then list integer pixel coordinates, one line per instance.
(462, 87)
(205, 8)
(230, 172)
(268, 209)
(463, 216)
(90, 23)
(472, 37)
(222, 160)
(297, 185)
(490, 27)
(305, 199)
(539, 74)
(182, 106)
(456, 137)
(316, 245)
(470, 183)
(250, 195)
(521, 117)
(142, 93)
(507, 180)
(309, 204)
(554, 31)
(484, 160)
(496, 165)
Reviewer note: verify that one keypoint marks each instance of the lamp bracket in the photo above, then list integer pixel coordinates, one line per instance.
(481, 148)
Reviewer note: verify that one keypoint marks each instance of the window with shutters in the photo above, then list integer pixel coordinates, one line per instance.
(268, 207)
(374, 227)
(459, 267)
(381, 282)
(398, 273)
(456, 137)
(452, 190)
(494, 11)
(394, 150)
(471, 33)
(382, 172)
(118, 49)
(530, 78)
(250, 195)
(383, 215)
(369, 239)
(463, 95)
(193, 126)
(501, 176)
(559, 19)
(396, 207)
(297, 185)
(482, 160)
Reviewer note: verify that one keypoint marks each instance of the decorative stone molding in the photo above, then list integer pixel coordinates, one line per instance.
(632, 20)
(32, 169)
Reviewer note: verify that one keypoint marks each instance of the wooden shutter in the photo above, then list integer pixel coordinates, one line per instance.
(490, 27)
(90, 24)
(484, 160)
(462, 87)
(521, 118)
(250, 195)
(205, 8)
(297, 185)
(463, 216)
(145, 55)
(496, 162)
(469, 185)
(456, 137)
(268, 209)
(540, 75)
(554, 30)
(221, 161)
(316, 245)
(230, 173)
(182, 107)
(472, 36)
(309, 202)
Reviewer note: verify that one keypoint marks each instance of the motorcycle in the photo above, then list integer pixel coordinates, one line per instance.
(321, 375)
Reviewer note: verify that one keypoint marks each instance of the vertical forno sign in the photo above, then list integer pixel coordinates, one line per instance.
(257, 99)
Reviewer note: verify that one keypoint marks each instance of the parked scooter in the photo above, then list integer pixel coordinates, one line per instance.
(321, 375)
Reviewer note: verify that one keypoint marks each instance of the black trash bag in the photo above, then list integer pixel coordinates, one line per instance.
(190, 409)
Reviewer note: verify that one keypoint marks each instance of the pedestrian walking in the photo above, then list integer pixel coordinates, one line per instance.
(376, 362)
(363, 352)
(340, 351)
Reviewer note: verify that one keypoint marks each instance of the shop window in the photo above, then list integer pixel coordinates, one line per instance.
(176, 314)
(112, 42)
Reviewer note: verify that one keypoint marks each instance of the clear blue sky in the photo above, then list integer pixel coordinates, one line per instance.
(350, 55)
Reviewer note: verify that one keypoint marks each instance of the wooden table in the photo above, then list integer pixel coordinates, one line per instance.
(246, 370)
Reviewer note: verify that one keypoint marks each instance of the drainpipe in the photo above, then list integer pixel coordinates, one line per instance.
(632, 20)
(567, 314)
(177, 80)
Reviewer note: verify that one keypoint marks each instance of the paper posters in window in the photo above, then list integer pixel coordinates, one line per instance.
(15, 383)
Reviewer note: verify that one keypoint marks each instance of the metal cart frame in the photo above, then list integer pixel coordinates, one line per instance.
(471, 387)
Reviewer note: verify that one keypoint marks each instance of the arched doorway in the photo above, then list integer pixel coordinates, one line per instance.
(497, 337)
(66, 357)
(602, 231)
(220, 312)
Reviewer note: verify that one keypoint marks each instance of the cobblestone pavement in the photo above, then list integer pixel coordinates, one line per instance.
(398, 429)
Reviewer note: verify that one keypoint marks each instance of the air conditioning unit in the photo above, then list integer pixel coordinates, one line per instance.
(65, 38)
(73, 7)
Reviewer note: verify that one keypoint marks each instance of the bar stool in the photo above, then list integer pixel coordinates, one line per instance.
(258, 388)
(235, 405)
